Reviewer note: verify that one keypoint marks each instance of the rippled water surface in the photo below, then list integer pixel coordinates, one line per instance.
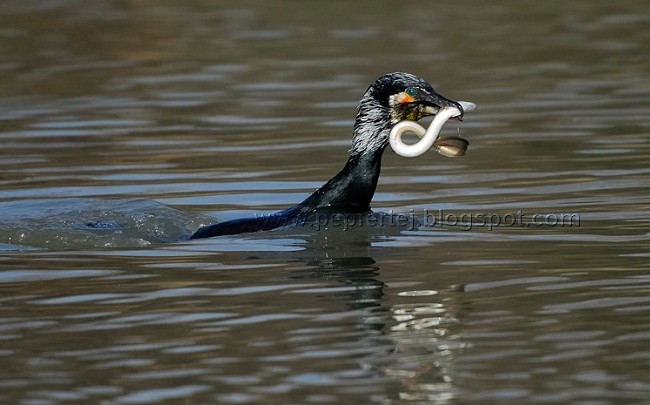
(125, 125)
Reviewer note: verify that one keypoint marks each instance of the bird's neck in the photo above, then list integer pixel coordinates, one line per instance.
(352, 189)
(371, 128)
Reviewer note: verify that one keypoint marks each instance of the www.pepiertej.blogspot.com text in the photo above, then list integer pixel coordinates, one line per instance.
(433, 218)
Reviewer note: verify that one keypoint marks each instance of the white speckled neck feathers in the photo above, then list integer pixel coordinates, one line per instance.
(371, 127)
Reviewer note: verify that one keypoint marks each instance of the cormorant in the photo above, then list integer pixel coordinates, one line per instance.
(392, 98)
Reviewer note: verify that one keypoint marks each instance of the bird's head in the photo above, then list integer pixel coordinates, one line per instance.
(392, 98)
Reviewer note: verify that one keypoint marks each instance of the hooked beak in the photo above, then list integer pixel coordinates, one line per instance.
(434, 102)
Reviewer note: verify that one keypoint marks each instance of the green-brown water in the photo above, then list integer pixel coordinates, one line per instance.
(157, 117)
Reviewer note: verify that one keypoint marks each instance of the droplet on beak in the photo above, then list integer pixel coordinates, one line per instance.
(451, 146)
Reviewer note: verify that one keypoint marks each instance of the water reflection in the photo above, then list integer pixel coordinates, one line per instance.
(346, 316)
(415, 340)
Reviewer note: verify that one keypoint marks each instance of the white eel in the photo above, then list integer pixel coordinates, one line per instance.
(427, 136)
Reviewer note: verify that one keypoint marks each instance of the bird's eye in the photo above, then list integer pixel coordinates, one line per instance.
(411, 91)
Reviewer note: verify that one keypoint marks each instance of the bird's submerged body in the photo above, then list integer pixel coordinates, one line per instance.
(392, 98)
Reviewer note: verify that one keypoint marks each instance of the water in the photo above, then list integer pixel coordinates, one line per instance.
(127, 125)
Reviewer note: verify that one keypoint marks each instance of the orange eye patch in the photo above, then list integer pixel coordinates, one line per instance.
(404, 97)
